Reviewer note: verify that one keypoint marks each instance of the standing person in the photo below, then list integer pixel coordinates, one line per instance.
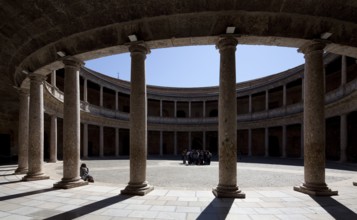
(84, 173)
(208, 157)
(184, 156)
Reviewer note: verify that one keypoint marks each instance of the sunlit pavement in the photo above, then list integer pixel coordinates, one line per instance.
(181, 192)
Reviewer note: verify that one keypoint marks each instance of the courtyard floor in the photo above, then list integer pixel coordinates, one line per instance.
(181, 192)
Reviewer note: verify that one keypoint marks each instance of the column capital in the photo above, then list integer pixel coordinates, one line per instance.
(72, 62)
(225, 42)
(36, 77)
(139, 47)
(311, 47)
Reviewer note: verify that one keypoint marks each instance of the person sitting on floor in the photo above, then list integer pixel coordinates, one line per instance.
(84, 173)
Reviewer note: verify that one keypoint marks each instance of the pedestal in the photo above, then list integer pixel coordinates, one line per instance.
(68, 184)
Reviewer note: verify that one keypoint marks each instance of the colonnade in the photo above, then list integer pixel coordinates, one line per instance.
(313, 130)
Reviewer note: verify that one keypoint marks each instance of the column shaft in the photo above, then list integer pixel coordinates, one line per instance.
(266, 141)
(343, 70)
(161, 143)
(160, 108)
(85, 140)
(85, 90)
(250, 104)
(116, 101)
(204, 109)
(249, 142)
(138, 123)
(267, 100)
(189, 141)
(71, 126)
(53, 140)
(175, 143)
(101, 141)
(227, 121)
(116, 142)
(101, 96)
(36, 129)
(284, 141)
(189, 109)
(302, 141)
(343, 138)
(284, 95)
(23, 136)
(204, 140)
(175, 108)
(314, 122)
(53, 78)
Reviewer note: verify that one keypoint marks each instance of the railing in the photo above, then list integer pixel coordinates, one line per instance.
(296, 108)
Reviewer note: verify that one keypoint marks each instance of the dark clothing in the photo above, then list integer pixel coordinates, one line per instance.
(84, 173)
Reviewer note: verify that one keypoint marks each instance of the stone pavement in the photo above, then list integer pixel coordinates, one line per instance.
(178, 193)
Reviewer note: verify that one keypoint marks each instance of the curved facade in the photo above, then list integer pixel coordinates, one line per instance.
(39, 37)
(269, 114)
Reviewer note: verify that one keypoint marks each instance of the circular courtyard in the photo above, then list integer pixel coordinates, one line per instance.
(172, 173)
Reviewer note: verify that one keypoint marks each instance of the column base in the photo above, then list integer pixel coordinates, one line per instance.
(21, 171)
(35, 177)
(66, 184)
(315, 190)
(355, 183)
(140, 189)
(52, 161)
(228, 192)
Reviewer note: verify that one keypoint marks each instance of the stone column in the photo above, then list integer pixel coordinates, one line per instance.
(23, 136)
(53, 140)
(189, 109)
(267, 100)
(175, 108)
(53, 80)
(85, 140)
(284, 95)
(343, 138)
(85, 90)
(189, 141)
(161, 143)
(314, 122)
(302, 141)
(85, 95)
(250, 104)
(36, 129)
(101, 141)
(303, 88)
(266, 142)
(116, 101)
(175, 143)
(204, 140)
(101, 96)
(204, 109)
(138, 123)
(160, 108)
(284, 141)
(116, 142)
(71, 126)
(343, 71)
(227, 121)
(249, 142)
